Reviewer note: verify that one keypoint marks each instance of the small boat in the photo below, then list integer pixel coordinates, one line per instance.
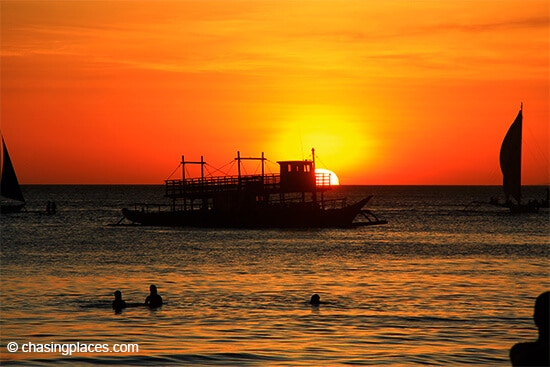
(294, 198)
(9, 186)
(510, 165)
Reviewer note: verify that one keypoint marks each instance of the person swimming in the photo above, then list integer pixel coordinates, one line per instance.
(535, 353)
(153, 300)
(316, 300)
(118, 303)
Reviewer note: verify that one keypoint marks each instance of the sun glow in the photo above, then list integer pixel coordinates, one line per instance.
(340, 137)
(151, 80)
(334, 181)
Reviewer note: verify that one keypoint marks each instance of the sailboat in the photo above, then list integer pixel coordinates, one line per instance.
(510, 165)
(9, 186)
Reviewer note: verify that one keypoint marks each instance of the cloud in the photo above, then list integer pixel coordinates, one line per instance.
(510, 24)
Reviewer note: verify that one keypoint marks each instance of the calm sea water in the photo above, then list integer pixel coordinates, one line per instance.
(436, 286)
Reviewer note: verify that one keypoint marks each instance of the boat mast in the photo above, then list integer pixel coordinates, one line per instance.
(314, 196)
(183, 163)
(239, 159)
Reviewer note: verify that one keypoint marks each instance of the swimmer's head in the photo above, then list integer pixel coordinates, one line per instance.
(315, 299)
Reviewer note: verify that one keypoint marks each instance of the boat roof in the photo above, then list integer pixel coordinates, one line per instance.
(295, 161)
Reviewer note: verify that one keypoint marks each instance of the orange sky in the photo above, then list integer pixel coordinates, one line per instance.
(388, 92)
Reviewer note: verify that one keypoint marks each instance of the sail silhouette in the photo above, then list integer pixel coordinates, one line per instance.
(9, 185)
(510, 159)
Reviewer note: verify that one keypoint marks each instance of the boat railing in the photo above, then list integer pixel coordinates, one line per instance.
(156, 208)
(322, 180)
(324, 204)
(148, 207)
(201, 187)
(334, 203)
(207, 185)
(199, 205)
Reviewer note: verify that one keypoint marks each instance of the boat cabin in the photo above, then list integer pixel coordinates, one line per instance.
(297, 176)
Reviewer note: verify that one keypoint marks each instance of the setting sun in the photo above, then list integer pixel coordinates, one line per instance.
(341, 136)
(334, 181)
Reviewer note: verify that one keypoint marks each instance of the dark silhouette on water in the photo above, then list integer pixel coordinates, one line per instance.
(118, 303)
(293, 198)
(51, 207)
(316, 300)
(153, 300)
(510, 165)
(9, 185)
(535, 353)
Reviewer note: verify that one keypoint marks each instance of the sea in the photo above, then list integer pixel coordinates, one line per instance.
(443, 283)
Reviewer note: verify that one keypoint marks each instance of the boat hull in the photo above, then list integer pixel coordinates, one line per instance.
(298, 216)
(523, 208)
(531, 207)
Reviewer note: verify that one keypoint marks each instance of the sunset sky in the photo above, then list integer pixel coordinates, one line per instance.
(388, 92)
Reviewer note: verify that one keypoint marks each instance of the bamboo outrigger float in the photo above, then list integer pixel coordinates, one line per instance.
(294, 198)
